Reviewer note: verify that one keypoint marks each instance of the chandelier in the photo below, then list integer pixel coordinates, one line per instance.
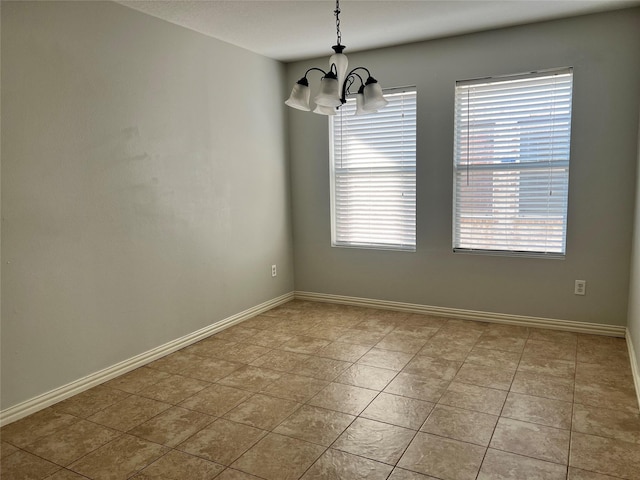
(335, 84)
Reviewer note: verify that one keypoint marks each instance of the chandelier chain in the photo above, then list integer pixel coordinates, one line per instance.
(337, 14)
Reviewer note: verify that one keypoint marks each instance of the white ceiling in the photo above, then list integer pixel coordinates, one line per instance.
(290, 30)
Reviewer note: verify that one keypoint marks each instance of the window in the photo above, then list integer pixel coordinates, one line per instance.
(511, 164)
(373, 174)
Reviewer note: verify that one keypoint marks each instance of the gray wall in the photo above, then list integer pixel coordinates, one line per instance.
(633, 323)
(144, 187)
(603, 49)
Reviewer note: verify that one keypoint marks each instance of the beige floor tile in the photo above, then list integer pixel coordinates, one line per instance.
(361, 337)
(216, 400)
(261, 322)
(222, 441)
(398, 410)
(432, 367)
(347, 352)
(174, 389)
(605, 455)
(543, 411)
(209, 369)
(23, 465)
(245, 353)
(118, 459)
(473, 397)
(343, 398)
(402, 474)
(262, 411)
(7, 449)
(617, 397)
(603, 374)
(377, 357)
(321, 368)
(269, 339)
(177, 465)
(326, 332)
(337, 465)
(541, 385)
(390, 440)
(508, 344)
(499, 465)
(617, 424)
(176, 362)
(557, 336)
(172, 426)
(402, 342)
(295, 387)
(129, 413)
(305, 345)
(33, 427)
(577, 474)
(503, 330)
(65, 474)
(280, 360)
(543, 349)
(277, 457)
(210, 347)
(466, 327)
(458, 424)
(425, 320)
(90, 401)
(537, 441)
(231, 474)
(548, 366)
(136, 380)
(416, 386)
(440, 347)
(485, 376)
(367, 377)
(315, 425)
(237, 333)
(68, 444)
(442, 457)
(493, 358)
(416, 330)
(251, 378)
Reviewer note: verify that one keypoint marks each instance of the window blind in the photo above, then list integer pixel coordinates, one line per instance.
(373, 173)
(511, 163)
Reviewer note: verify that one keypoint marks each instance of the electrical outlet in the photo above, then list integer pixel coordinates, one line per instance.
(274, 271)
(580, 287)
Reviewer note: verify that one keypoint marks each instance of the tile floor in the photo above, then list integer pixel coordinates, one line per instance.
(320, 391)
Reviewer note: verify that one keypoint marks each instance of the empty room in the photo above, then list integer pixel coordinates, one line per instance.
(320, 240)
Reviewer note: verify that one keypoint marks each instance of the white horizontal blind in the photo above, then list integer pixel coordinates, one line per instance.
(511, 163)
(373, 166)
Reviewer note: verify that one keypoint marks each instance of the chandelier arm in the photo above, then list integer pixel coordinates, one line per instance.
(314, 68)
(345, 87)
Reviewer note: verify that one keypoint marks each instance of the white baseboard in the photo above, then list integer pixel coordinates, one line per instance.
(491, 317)
(635, 371)
(35, 404)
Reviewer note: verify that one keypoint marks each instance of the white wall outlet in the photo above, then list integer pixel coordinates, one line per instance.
(274, 271)
(580, 287)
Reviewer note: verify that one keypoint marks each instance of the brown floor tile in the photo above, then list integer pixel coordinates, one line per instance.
(90, 401)
(245, 353)
(577, 474)
(280, 360)
(315, 425)
(305, 345)
(129, 413)
(557, 336)
(367, 377)
(493, 358)
(485, 376)
(543, 411)
(269, 339)
(326, 332)
(295, 387)
(537, 441)
(33, 427)
(541, 385)
(347, 352)
(65, 474)
(176, 362)
(136, 380)
(237, 333)
(389, 445)
(466, 327)
(402, 474)
(425, 320)
(222, 441)
(343, 398)
(499, 465)
(361, 337)
(615, 354)
(548, 366)
(617, 424)
(504, 330)
(337, 465)
(416, 386)
(231, 474)
(276, 457)
(508, 344)
(172, 426)
(542, 349)
(177, 465)
(442, 457)
(210, 347)
(216, 400)
(377, 357)
(209, 369)
(605, 455)
(473, 397)
(24, 466)
(262, 411)
(251, 378)
(416, 330)
(118, 459)
(397, 410)
(402, 342)
(68, 444)
(458, 424)
(618, 397)
(447, 350)
(174, 389)
(261, 322)
(432, 367)
(321, 368)
(603, 374)
(7, 449)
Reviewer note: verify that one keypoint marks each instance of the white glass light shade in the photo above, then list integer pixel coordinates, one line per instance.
(328, 95)
(373, 97)
(341, 63)
(299, 97)
(360, 110)
(325, 110)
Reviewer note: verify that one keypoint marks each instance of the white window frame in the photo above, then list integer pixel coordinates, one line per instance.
(388, 232)
(513, 134)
